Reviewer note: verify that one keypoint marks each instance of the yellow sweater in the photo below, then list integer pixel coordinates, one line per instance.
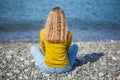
(55, 53)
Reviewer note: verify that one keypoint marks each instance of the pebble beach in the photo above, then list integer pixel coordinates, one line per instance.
(95, 61)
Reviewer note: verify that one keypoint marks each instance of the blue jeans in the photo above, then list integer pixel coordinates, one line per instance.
(39, 58)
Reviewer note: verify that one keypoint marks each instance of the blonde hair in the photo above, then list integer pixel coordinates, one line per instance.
(56, 26)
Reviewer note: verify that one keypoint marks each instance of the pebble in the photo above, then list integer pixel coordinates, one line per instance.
(25, 77)
(114, 58)
(17, 71)
(22, 66)
(101, 74)
(4, 61)
(10, 52)
(20, 77)
(26, 62)
(26, 70)
(9, 74)
(88, 63)
(118, 77)
(9, 56)
(21, 59)
(32, 60)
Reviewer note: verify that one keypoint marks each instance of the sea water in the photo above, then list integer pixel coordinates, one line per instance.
(88, 20)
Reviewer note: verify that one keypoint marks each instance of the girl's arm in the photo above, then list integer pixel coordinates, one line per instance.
(42, 42)
(69, 41)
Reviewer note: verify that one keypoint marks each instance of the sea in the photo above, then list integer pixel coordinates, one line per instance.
(88, 20)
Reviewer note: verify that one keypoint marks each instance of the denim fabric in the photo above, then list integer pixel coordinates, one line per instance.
(39, 58)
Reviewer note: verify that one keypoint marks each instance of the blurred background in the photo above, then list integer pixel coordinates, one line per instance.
(88, 20)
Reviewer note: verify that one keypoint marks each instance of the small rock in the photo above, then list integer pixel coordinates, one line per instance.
(18, 60)
(4, 62)
(118, 51)
(10, 52)
(118, 78)
(88, 63)
(114, 58)
(101, 74)
(20, 77)
(32, 60)
(25, 77)
(26, 70)
(26, 62)
(9, 56)
(69, 76)
(9, 74)
(17, 71)
(21, 59)
(22, 66)
(32, 73)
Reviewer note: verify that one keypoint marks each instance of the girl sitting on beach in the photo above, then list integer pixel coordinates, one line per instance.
(55, 55)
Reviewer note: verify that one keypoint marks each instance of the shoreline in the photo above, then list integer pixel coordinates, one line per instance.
(98, 60)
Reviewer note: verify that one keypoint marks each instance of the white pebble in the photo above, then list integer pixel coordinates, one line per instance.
(26, 62)
(32, 60)
(21, 59)
(9, 74)
(101, 74)
(20, 77)
(114, 58)
(118, 78)
(10, 52)
(17, 71)
(8, 56)
(26, 70)
(25, 77)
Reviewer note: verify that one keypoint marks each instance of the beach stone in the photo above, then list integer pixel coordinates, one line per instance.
(22, 66)
(9, 56)
(114, 58)
(118, 77)
(101, 74)
(20, 77)
(17, 71)
(18, 60)
(118, 51)
(4, 61)
(88, 63)
(21, 59)
(32, 73)
(10, 52)
(25, 77)
(26, 62)
(26, 70)
(69, 76)
(9, 74)
(32, 60)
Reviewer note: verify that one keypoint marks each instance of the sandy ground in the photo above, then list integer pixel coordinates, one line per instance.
(97, 61)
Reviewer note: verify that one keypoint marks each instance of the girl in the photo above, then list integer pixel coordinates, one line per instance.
(55, 55)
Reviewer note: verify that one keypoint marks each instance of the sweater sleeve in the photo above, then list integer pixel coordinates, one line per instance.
(69, 41)
(42, 42)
